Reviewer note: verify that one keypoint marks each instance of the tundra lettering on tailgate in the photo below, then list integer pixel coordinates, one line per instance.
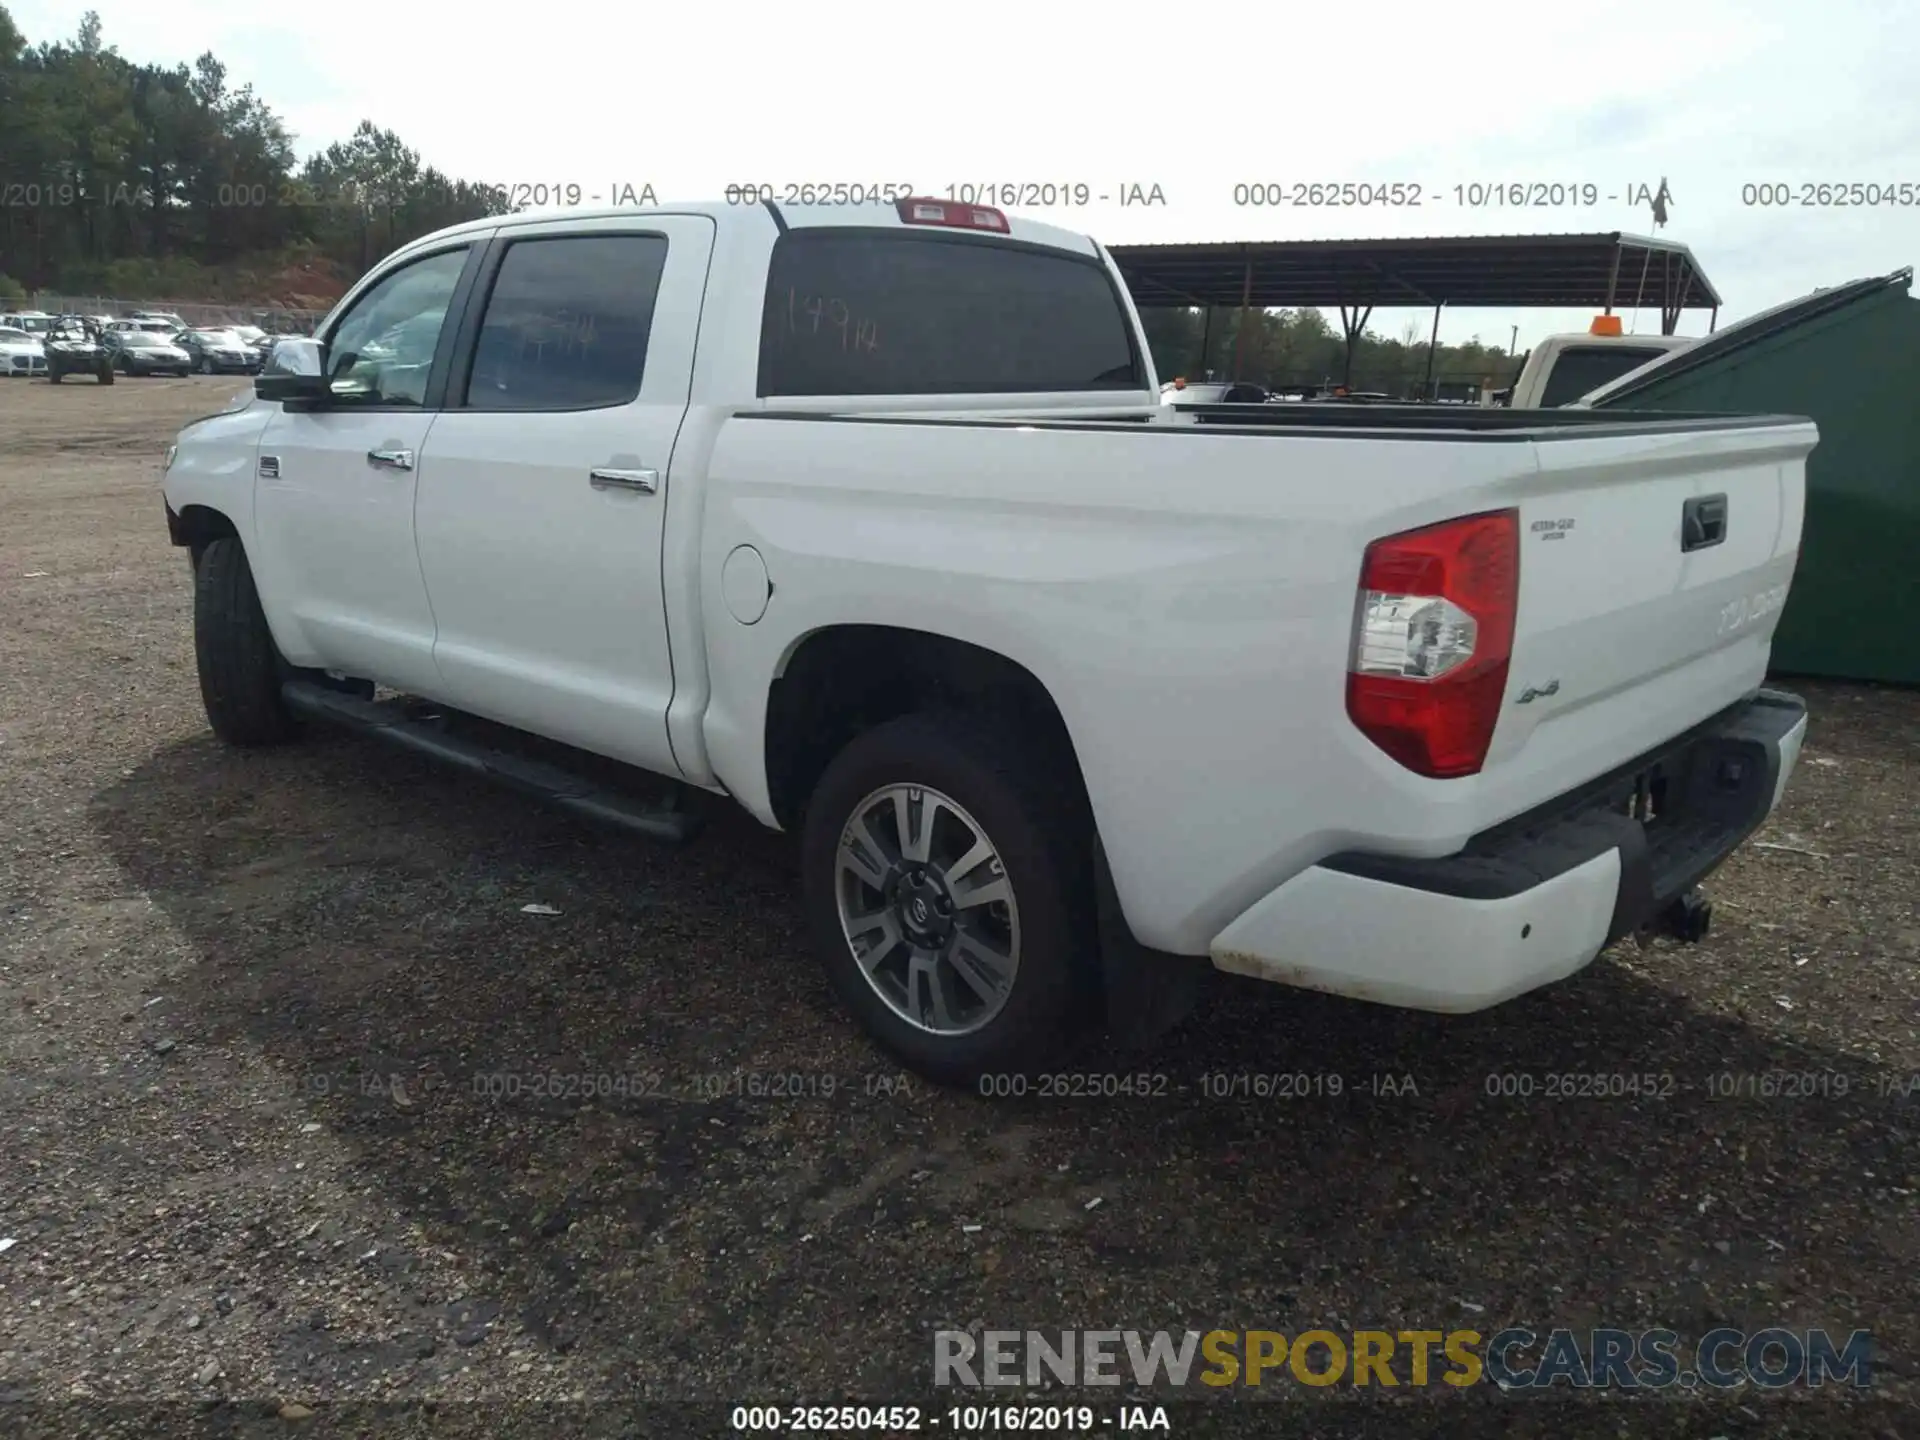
(1750, 609)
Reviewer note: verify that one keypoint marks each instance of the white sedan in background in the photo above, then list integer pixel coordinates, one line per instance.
(21, 353)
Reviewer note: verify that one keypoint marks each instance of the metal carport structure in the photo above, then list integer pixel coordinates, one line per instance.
(1353, 276)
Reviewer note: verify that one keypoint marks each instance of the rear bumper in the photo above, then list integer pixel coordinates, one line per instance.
(1535, 899)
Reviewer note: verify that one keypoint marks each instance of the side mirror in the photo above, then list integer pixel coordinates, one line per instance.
(295, 375)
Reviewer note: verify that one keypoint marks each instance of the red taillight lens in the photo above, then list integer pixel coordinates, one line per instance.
(1432, 641)
(952, 214)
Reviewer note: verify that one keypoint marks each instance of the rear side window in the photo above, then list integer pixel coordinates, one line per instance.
(567, 322)
(884, 313)
(1588, 367)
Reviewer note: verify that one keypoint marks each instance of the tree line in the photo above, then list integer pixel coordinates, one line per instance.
(137, 179)
(1302, 347)
(151, 181)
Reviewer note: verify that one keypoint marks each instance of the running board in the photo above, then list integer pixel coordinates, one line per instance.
(388, 720)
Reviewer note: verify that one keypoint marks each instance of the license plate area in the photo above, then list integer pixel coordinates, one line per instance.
(1694, 805)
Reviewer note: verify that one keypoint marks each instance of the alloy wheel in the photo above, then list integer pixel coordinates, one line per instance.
(927, 909)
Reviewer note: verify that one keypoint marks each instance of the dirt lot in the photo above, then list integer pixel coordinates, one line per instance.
(216, 964)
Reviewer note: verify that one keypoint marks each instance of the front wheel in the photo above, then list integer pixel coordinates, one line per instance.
(949, 894)
(240, 667)
(105, 372)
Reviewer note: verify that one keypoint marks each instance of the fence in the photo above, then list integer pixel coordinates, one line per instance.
(201, 315)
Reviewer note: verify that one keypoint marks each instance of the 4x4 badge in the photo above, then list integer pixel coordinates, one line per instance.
(1532, 693)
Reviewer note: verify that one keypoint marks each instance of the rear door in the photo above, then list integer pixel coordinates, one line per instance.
(543, 490)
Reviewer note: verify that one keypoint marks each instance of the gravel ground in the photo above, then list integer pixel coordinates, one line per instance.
(275, 1131)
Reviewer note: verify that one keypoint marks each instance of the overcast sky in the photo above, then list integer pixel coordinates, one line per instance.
(1712, 96)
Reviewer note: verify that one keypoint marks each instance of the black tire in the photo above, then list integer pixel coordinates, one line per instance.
(1037, 827)
(105, 372)
(53, 375)
(241, 669)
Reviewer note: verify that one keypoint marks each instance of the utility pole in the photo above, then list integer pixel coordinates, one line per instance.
(1513, 340)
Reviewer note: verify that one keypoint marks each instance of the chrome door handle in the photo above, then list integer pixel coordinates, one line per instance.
(645, 481)
(392, 459)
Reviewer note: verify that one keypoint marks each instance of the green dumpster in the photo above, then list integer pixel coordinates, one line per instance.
(1848, 357)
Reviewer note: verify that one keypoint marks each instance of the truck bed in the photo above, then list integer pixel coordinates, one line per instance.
(1442, 422)
(1185, 586)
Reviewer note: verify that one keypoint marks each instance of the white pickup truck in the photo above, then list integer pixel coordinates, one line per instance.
(870, 519)
(1563, 368)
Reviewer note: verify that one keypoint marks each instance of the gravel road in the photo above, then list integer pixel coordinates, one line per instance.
(301, 1105)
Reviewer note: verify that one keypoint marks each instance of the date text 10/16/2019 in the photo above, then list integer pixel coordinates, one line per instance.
(1010, 194)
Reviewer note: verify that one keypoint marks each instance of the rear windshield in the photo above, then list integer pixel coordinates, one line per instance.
(1588, 367)
(878, 312)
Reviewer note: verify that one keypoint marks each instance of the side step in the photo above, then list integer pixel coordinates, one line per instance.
(389, 721)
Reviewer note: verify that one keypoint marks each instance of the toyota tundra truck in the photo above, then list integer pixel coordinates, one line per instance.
(869, 519)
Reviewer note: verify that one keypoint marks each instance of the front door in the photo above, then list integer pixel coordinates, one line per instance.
(334, 497)
(543, 488)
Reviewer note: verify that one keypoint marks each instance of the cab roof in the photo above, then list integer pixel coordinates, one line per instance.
(880, 215)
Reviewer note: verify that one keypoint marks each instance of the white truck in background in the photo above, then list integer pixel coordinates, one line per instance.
(869, 518)
(1563, 368)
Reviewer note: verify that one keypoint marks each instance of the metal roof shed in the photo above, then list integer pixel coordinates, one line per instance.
(1849, 357)
(1599, 271)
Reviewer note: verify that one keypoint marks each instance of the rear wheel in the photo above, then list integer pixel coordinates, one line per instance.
(105, 372)
(949, 893)
(241, 669)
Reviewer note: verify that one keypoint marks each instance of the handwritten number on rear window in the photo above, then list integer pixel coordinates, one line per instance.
(809, 316)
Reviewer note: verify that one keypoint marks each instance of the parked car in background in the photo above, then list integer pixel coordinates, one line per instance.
(141, 352)
(1212, 392)
(165, 317)
(74, 348)
(254, 336)
(219, 352)
(147, 325)
(35, 322)
(21, 353)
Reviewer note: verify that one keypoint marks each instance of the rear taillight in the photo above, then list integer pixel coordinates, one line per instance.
(952, 214)
(1432, 641)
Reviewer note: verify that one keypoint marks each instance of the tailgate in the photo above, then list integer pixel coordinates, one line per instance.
(1652, 573)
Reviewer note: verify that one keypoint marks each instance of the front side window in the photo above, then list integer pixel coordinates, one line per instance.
(881, 312)
(567, 322)
(382, 349)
